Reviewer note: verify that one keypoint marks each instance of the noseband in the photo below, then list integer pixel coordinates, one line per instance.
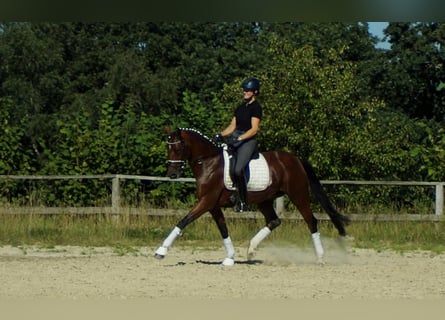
(180, 162)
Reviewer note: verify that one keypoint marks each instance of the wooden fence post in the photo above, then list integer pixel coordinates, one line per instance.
(115, 195)
(439, 199)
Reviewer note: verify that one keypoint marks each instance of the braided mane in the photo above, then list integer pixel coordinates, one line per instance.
(200, 134)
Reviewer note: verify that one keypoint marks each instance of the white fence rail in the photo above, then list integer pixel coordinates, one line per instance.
(117, 178)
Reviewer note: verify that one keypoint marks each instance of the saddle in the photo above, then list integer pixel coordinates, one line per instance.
(257, 172)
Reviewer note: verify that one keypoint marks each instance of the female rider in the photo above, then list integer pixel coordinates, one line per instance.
(242, 132)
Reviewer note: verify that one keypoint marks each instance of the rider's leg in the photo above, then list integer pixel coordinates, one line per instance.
(244, 154)
(241, 185)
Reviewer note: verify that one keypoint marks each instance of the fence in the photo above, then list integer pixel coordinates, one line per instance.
(116, 208)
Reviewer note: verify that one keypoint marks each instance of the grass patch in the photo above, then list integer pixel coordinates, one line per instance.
(400, 236)
(126, 233)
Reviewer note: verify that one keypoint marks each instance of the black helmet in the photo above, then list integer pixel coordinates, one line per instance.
(251, 84)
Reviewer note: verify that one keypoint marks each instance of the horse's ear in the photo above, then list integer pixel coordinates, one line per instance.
(167, 130)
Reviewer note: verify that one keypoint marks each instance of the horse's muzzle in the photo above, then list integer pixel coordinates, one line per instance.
(175, 168)
(173, 175)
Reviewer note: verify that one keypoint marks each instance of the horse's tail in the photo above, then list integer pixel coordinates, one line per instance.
(337, 218)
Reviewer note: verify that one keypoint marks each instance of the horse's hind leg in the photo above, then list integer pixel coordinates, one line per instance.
(301, 201)
(272, 221)
(220, 221)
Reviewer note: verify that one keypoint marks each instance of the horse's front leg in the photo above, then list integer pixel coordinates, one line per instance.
(194, 214)
(220, 220)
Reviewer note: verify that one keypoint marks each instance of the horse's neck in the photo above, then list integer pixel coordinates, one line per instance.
(205, 162)
(203, 151)
(200, 147)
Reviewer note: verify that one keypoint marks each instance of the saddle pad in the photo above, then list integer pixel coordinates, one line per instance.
(259, 174)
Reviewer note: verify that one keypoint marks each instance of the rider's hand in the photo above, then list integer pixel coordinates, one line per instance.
(218, 138)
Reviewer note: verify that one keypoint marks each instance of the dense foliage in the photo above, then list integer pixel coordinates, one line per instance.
(93, 98)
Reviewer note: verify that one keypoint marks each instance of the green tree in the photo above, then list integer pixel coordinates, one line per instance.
(431, 150)
(409, 77)
(14, 158)
(323, 87)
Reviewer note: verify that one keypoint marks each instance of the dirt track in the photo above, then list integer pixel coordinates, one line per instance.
(74, 273)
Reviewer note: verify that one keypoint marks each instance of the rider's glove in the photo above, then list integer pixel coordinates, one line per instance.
(218, 138)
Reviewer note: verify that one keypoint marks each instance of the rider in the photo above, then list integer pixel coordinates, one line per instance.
(242, 132)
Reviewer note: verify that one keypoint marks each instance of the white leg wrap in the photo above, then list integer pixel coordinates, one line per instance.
(171, 237)
(162, 250)
(230, 250)
(260, 236)
(317, 244)
(228, 245)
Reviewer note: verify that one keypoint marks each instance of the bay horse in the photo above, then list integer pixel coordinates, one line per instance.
(289, 175)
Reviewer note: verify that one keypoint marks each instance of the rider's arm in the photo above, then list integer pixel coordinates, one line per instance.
(230, 128)
(252, 131)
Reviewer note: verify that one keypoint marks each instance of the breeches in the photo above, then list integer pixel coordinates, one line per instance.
(244, 154)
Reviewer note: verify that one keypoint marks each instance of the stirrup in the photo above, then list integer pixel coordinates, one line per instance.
(241, 206)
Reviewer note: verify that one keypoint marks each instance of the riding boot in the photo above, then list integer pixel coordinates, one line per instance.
(241, 185)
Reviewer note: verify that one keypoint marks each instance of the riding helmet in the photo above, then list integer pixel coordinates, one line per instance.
(251, 84)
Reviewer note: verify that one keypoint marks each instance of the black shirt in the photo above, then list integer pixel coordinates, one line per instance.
(244, 113)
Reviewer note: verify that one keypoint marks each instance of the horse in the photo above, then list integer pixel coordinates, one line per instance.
(288, 174)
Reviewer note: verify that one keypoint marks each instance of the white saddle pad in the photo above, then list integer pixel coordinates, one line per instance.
(259, 174)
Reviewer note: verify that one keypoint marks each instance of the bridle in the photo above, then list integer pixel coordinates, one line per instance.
(177, 163)
(176, 144)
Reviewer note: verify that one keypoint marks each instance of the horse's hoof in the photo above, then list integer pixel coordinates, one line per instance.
(320, 261)
(228, 262)
(159, 256)
(251, 254)
(161, 253)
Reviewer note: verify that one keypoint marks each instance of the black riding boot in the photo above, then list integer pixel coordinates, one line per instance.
(241, 185)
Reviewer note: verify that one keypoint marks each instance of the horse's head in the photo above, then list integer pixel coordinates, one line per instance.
(185, 144)
(175, 152)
